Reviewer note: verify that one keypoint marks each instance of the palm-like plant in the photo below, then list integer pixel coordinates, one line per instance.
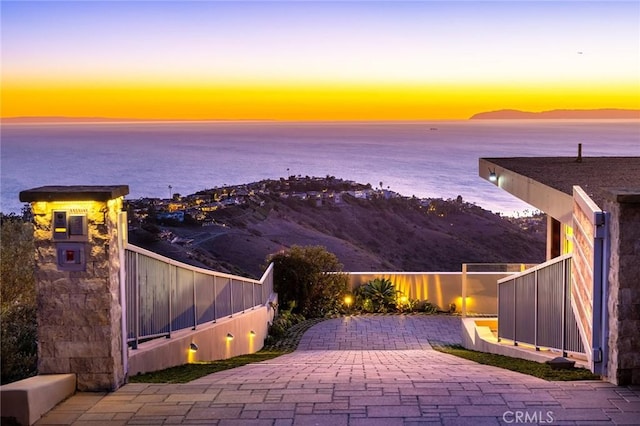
(381, 292)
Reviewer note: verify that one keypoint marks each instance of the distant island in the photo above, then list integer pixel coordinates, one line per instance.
(560, 114)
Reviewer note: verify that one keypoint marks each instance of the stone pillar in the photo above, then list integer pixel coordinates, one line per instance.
(77, 248)
(624, 287)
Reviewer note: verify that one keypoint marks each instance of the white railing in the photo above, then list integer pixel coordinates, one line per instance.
(164, 295)
(534, 307)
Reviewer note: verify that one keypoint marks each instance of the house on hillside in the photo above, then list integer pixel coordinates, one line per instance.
(175, 215)
(593, 216)
(362, 194)
(299, 195)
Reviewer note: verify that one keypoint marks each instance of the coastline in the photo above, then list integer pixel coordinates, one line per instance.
(409, 157)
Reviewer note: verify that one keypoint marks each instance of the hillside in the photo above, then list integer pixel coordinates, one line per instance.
(396, 234)
(560, 114)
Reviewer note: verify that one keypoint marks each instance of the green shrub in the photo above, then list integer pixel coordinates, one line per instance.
(19, 342)
(18, 323)
(378, 295)
(429, 308)
(404, 304)
(364, 305)
(283, 321)
(311, 278)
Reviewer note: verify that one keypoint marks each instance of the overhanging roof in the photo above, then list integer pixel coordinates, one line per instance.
(547, 182)
(74, 193)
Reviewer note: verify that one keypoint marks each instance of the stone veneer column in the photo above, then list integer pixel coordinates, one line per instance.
(624, 287)
(79, 312)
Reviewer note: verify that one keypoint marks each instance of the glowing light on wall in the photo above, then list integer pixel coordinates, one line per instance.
(439, 296)
(252, 339)
(72, 206)
(468, 303)
(191, 352)
(227, 347)
(567, 247)
(493, 177)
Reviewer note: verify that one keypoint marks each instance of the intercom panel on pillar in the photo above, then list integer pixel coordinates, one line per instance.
(71, 236)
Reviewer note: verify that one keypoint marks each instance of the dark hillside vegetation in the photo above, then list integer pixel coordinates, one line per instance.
(395, 234)
(18, 326)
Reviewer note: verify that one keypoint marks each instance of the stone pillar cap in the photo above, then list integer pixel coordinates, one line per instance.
(624, 195)
(74, 193)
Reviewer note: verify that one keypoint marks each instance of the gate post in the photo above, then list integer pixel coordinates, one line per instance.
(77, 247)
(622, 327)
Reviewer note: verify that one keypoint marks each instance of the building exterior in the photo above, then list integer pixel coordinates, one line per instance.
(593, 210)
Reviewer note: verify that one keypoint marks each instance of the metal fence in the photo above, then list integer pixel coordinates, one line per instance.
(163, 295)
(478, 297)
(534, 307)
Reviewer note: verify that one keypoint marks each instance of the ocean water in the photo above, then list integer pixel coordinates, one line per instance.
(425, 159)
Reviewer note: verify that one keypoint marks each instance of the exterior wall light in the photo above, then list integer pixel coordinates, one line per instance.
(252, 333)
(229, 336)
(493, 177)
(193, 347)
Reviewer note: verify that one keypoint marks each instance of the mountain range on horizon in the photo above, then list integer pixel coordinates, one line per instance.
(502, 114)
(559, 114)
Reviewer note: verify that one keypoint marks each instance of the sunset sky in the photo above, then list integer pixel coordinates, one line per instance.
(316, 60)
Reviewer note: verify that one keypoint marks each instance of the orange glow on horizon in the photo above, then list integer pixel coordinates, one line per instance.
(302, 101)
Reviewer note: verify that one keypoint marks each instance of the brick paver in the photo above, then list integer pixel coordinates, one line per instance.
(369, 370)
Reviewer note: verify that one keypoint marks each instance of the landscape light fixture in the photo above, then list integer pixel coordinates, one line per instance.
(493, 177)
(252, 333)
(348, 300)
(193, 347)
(229, 336)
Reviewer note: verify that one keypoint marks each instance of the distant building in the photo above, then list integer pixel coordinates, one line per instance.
(362, 194)
(177, 216)
(210, 207)
(299, 195)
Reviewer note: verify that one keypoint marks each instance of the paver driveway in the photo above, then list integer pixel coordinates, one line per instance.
(370, 370)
